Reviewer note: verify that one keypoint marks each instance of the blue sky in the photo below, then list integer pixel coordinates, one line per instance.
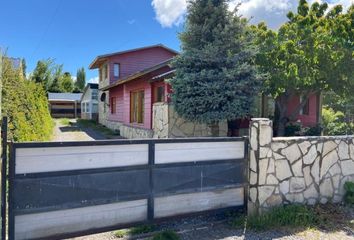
(74, 32)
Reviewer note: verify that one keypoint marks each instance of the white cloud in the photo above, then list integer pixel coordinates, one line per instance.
(73, 78)
(93, 80)
(169, 12)
(273, 12)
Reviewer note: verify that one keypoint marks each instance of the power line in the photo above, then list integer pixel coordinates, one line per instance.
(51, 20)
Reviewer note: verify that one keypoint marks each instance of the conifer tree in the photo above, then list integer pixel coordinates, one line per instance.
(215, 78)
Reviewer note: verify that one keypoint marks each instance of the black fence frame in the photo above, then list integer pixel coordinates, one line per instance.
(3, 177)
(150, 166)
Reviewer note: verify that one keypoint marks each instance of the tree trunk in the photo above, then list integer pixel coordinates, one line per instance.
(281, 119)
(214, 128)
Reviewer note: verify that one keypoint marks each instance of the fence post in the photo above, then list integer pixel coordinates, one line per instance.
(3, 176)
(151, 163)
(260, 137)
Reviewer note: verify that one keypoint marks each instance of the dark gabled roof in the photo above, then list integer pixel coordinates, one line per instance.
(99, 59)
(91, 86)
(138, 74)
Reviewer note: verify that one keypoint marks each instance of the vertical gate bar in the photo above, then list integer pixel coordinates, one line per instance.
(11, 216)
(3, 176)
(246, 172)
(151, 181)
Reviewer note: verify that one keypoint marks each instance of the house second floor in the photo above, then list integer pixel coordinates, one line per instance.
(118, 66)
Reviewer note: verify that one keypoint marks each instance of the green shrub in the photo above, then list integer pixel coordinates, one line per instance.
(296, 129)
(334, 123)
(292, 129)
(166, 235)
(349, 193)
(289, 215)
(26, 106)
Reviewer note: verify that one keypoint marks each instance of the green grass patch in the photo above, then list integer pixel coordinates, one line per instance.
(64, 121)
(109, 133)
(134, 231)
(285, 216)
(121, 233)
(166, 235)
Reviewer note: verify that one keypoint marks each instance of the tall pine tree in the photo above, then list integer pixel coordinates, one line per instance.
(215, 78)
(80, 79)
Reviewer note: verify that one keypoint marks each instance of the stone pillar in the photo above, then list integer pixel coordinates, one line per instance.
(260, 137)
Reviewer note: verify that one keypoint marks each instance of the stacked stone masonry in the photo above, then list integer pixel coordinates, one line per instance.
(167, 124)
(305, 170)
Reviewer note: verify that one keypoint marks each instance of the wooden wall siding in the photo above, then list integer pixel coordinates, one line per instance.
(49, 159)
(197, 202)
(31, 226)
(61, 189)
(133, 62)
(122, 95)
(191, 152)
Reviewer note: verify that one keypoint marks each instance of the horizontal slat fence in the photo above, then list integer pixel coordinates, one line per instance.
(74, 188)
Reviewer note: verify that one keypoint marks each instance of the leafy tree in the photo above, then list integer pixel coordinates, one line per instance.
(57, 79)
(26, 106)
(67, 84)
(215, 78)
(311, 53)
(43, 73)
(80, 79)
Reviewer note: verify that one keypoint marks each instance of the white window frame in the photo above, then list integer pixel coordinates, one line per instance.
(116, 70)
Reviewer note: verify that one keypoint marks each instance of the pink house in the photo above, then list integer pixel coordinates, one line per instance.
(133, 94)
(310, 114)
(128, 88)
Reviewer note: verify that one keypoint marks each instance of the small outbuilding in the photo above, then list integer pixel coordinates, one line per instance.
(64, 105)
(89, 102)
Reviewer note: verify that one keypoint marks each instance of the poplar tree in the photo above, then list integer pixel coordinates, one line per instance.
(216, 78)
(80, 79)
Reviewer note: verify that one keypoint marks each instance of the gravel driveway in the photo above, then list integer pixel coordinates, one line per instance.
(63, 133)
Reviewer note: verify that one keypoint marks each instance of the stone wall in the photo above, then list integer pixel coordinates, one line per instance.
(167, 124)
(103, 109)
(135, 132)
(160, 120)
(304, 170)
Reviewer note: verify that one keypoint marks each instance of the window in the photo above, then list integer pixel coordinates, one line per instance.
(94, 94)
(94, 107)
(306, 108)
(159, 94)
(137, 106)
(83, 107)
(113, 105)
(87, 107)
(116, 70)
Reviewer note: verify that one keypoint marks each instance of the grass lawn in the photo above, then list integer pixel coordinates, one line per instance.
(64, 121)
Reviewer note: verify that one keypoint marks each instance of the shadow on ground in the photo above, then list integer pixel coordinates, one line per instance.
(74, 127)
